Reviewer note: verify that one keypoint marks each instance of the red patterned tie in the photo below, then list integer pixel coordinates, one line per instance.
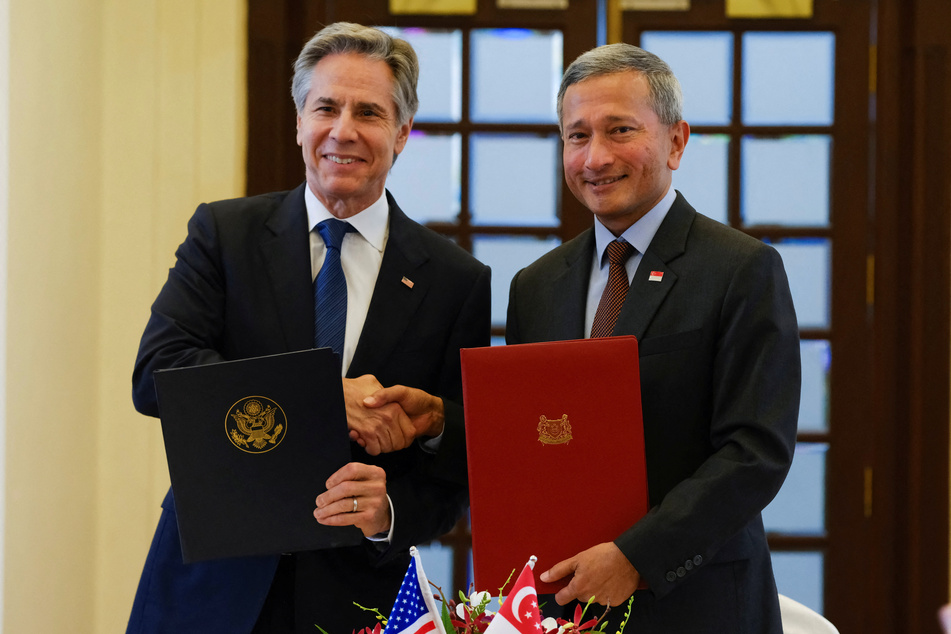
(616, 290)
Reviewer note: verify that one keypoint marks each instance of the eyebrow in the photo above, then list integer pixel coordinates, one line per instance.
(360, 105)
(324, 101)
(371, 105)
(608, 119)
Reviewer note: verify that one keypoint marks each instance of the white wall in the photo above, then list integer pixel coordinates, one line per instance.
(4, 266)
(52, 314)
(123, 115)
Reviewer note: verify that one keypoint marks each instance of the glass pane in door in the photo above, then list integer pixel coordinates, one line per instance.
(788, 78)
(785, 180)
(816, 356)
(425, 178)
(507, 255)
(514, 179)
(807, 263)
(799, 507)
(799, 576)
(440, 71)
(703, 63)
(703, 174)
(515, 75)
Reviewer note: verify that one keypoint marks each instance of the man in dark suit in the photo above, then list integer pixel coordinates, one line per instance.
(718, 347)
(243, 286)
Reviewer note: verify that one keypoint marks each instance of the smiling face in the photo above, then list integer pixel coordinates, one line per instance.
(348, 131)
(618, 156)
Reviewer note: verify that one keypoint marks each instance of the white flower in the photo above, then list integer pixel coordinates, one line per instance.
(478, 598)
(550, 624)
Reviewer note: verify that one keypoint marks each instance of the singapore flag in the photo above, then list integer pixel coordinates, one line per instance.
(519, 613)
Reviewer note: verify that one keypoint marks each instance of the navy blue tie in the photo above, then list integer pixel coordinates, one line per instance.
(330, 289)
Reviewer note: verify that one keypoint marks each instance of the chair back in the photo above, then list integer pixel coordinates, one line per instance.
(799, 619)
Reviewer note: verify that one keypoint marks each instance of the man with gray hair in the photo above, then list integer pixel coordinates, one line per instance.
(333, 263)
(718, 354)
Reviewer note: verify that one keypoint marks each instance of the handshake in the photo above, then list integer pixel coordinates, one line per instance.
(384, 419)
(380, 420)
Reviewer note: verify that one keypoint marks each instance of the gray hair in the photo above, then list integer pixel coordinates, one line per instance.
(665, 98)
(347, 37)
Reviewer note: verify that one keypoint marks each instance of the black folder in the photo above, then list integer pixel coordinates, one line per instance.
(250, 444)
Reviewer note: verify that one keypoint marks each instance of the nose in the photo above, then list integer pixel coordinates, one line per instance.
(599, 153)
(344, 127)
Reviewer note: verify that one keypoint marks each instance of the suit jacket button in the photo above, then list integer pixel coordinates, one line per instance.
(681, 572)
(697, 560)
(688, 564)
(671, 576)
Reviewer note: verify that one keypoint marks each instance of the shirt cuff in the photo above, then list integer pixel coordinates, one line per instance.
(432, 444)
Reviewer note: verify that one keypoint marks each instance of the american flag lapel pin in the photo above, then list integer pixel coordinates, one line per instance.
(655, 276)
(408, 282)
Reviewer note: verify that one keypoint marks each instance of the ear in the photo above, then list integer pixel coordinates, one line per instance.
(402, 135)
(300, 142)
(678, 134)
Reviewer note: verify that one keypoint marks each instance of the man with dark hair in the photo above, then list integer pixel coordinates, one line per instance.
(718, 347)
(248, 282)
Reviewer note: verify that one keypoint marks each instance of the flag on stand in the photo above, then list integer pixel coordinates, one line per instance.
(414, 611)
(519, 614)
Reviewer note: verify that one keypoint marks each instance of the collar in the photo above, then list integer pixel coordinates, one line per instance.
(640, 234)
(371, 223)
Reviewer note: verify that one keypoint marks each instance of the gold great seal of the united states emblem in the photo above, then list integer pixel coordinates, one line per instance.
(255, 424)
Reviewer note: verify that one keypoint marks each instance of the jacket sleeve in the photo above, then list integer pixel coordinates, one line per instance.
(186, 323)
(471, 330)
(753, 406)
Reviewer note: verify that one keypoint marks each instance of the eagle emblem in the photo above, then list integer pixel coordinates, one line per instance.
(255, 424)
(554, 432)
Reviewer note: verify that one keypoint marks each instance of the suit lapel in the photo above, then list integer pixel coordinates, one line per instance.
(285, 246)
(567, 317)
(395, 301)
(654, 279)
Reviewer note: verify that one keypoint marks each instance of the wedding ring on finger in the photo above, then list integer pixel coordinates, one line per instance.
(354, 510)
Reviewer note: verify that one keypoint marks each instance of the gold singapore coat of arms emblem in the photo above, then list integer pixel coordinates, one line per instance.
(554, 432)
(256, 424)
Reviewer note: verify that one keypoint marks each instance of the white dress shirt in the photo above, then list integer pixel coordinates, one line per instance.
(639, 235)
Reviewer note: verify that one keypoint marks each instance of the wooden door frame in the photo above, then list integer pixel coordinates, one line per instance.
(912, 242)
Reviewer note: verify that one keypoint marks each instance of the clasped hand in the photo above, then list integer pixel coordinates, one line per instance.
(389, 419)
(356, 496)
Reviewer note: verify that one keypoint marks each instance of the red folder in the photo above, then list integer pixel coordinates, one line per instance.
(556, 452)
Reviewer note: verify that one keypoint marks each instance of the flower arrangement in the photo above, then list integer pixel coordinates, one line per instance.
(469, 615)
(416, 607)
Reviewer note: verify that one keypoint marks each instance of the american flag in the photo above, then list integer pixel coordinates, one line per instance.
(414, 611)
